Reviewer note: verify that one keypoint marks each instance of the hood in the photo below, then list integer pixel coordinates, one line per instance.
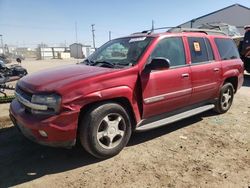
(52, 79)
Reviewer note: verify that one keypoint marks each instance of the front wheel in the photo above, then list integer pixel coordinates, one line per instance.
(226, 98)
(105, 130)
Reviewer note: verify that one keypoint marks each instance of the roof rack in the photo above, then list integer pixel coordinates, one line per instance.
(206, 31)
(148, 32)
(179, 29)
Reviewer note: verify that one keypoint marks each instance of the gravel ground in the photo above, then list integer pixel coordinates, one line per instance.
(207, 150)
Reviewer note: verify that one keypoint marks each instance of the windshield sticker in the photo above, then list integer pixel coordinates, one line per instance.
(137, 39)
(197, 47)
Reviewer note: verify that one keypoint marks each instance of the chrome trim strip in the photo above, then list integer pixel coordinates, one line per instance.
(205, 86)
(154, 99)
(27, 103)
(164, 96)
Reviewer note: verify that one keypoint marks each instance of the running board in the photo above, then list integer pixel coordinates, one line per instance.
(174, 118)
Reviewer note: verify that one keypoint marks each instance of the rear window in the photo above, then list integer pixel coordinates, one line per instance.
(227, 49)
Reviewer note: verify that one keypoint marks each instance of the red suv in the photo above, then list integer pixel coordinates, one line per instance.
(134, 83)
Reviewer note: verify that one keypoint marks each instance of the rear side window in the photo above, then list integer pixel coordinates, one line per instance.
(227, 49)
(198, 50)
(209, 50)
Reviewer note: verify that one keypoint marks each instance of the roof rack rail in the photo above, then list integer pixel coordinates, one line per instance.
(148, 32)
(179, 29)
(206, 31)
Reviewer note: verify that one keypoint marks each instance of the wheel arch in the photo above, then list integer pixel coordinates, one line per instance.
(123, 101)
(233, 80)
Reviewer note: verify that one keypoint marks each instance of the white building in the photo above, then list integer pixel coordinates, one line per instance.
(51, 52)
(236, 15)
(80, 51)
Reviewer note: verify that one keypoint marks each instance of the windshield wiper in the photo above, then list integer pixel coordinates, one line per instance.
(109, 64)
(88, 61)
(105, 63)
(125, 64)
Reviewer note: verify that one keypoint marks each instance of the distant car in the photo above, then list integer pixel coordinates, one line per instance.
(135, 83)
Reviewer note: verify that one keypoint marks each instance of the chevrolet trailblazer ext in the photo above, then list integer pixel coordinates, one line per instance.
(135, 83)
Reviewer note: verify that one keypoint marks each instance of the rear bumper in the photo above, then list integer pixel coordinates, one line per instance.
(60, 129)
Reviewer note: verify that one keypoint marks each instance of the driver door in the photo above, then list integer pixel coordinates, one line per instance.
(169, 89)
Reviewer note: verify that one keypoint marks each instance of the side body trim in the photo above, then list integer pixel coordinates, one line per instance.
(167, 95)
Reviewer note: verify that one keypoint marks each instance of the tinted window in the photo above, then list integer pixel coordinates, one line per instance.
(198, 50)
(171, 49)
(209, 50)
(227, 49)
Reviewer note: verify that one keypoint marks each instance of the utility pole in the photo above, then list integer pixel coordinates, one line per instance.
(76, 31)
(2, 43)
(109, 35)
(153, 26)
(93, 35)
(42, 51)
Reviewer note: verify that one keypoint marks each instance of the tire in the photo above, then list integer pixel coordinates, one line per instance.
(105, 130)
(247, 68)
(247, 64)
(225, 100)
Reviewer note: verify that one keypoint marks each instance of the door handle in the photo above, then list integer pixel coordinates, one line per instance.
(216, 69)
(186, 75)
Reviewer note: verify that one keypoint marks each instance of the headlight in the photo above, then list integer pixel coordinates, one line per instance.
(52, 101)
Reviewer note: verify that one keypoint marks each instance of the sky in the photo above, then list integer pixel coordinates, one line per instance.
(53, 22)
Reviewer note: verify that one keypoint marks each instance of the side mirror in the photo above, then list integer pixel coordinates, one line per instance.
(159, 63)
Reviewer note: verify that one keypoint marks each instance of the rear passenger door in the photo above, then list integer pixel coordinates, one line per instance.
(205, 70)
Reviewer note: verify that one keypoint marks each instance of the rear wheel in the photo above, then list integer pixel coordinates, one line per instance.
(105, 130)
(247, 64)
(226, 98)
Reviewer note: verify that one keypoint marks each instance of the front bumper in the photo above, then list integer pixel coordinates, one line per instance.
(60, 129)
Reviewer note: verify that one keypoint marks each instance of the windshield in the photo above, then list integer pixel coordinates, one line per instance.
(119, 52)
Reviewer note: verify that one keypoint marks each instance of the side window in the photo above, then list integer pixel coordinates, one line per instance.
(198, 50)
(209, 50)
(172, 49)
(227, 49)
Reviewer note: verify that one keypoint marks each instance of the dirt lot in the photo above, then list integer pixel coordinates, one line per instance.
(207, 150)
